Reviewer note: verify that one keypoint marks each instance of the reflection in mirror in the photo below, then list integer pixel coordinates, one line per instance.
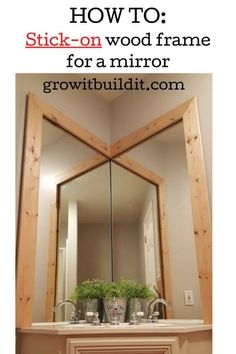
(60, 153)
(84, 243)
(136, 242)
(165, 155)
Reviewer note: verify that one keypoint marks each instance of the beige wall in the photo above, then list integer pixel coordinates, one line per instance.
(127, 259)
(94, 252)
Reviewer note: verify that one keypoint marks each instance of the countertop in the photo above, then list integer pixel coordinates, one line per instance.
(163, 326)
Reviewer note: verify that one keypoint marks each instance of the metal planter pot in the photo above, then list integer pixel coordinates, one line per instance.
(136, 305)
(90, 305)
(109, 308)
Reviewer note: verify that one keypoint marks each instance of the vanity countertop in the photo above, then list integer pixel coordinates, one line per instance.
(163, 326)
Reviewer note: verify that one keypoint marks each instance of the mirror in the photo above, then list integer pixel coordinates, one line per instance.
(135, 229)
(46, 170)
(165, 155)
(62, 157)
(84, 242)
(90, 246)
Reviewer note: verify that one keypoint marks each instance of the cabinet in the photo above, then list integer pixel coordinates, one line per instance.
(127, 345)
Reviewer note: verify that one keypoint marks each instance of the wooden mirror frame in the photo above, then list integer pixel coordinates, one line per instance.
(28, 207)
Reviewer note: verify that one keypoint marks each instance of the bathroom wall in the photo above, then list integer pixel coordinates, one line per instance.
(184, 274)
(94, 251)
(127, 262)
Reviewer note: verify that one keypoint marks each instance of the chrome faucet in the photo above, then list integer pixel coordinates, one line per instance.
(153, 316)
(115, 313)
(75, 316)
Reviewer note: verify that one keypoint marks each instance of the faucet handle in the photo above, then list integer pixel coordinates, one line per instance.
(89, 316)
(155, 316)
(139, 315)
(133, 320)
(96, 321)
(73, 318)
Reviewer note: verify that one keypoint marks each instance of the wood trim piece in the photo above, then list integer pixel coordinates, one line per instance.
(52, 257)
(165, 249)
(157, 125)
(64, 122)
(139, 169)
(83, 167)
(28, 207)
(199, 194)
(28, 215)
(68, 175)
(200, 206)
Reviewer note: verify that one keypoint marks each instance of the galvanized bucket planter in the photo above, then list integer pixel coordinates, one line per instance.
(136, 305)
(109, 304)
(90, 305)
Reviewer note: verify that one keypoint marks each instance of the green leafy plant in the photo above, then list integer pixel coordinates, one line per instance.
(136, 289)
(88, 289)
(128, 289)
(96, 288)
(114, 289)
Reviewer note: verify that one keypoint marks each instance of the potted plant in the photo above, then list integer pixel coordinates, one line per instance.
(138, 295)
(90, 294)
(115, 297)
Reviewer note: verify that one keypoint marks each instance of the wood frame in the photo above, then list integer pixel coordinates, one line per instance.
(188, 114)
(28, 208)
(27, 226)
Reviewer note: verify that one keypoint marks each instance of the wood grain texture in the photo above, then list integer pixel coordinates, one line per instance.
(28, 208)
(200, 206)
(166, 271)
(157, 125)
(66, 123)
(52, 259)
(81, 168)
(138, 169)
(28, 215)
